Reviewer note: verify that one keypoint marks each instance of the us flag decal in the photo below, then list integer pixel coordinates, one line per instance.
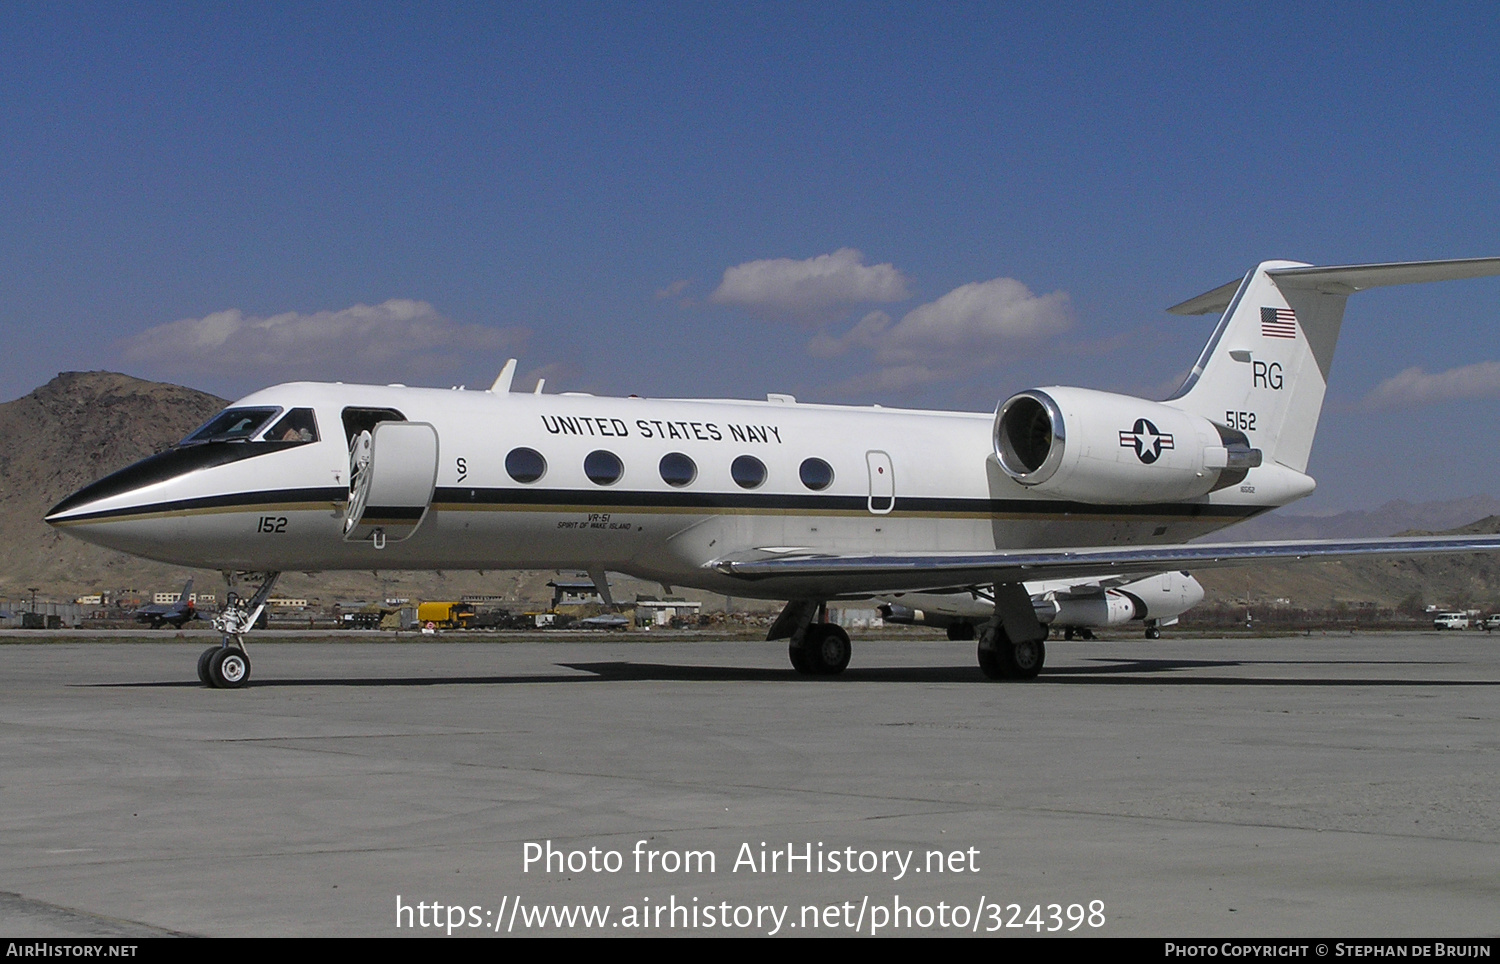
(1278, 323)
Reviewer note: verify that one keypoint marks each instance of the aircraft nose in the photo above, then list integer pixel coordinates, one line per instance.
(115, 491)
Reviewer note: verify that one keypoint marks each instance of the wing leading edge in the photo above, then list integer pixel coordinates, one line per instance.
(930, 570)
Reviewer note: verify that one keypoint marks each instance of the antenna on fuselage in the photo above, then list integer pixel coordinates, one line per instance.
(539, 383)
(502, 380)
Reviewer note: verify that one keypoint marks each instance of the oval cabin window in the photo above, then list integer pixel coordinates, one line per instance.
(816, 474)
(678, 470)
(525, 465)
(748, 472)
(603, 468)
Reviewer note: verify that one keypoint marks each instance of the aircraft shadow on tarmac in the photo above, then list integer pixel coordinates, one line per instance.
(1101, 671)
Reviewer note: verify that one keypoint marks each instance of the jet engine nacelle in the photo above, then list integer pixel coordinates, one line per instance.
(1107, 609)
(1099, 447)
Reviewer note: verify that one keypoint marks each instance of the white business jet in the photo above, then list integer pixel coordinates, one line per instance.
(1066, 505)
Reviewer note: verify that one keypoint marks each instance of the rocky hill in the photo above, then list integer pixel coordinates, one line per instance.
(1452, 582)
(77, 428)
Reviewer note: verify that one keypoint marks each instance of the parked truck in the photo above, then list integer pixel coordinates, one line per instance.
(446, 615)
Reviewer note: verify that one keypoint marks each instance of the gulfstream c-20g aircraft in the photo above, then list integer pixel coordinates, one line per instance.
(1066, 505)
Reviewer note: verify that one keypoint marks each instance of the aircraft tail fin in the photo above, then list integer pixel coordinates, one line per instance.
(1265, 370)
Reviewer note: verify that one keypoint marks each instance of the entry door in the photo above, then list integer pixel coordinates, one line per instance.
(392, 473)
(882, 482)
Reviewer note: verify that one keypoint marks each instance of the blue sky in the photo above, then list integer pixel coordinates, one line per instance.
(711, 199)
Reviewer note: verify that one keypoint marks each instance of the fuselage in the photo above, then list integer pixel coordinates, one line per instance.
(680, 485)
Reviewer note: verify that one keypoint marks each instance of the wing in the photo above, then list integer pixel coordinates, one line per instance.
(881, 572)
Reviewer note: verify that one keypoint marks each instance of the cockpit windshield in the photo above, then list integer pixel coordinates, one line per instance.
(242, 424)
(232, 425)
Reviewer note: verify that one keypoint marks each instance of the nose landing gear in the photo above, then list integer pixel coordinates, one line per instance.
(227, 666)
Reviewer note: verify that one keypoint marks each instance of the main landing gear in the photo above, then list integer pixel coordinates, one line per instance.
(815, 646)
(1011, 645)
(227, 665)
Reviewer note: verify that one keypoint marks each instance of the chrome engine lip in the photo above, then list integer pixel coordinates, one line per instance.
(1006, 455)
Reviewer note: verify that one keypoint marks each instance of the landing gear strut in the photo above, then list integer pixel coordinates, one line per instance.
(227, 666)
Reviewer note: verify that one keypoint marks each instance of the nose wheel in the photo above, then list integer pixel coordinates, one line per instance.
(224, 667)
(207, 655)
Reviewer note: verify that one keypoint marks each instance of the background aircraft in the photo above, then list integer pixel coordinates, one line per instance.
(176, 614)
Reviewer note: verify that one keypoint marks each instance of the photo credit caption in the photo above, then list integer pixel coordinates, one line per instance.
(790, 858)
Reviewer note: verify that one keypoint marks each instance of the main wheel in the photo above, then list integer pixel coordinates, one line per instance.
(960, 632)
(999, 658)
(1026, 659)
(823, 651)
(228, 668)
(830, 651)
(203, 659)
(797, 652)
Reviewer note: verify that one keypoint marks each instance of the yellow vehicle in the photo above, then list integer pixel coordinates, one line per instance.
(446, 615)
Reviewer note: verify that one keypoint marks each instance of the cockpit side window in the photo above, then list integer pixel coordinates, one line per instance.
(232, 425)
(298, 425)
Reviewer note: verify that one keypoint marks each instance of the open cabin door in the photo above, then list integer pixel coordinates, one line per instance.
(392, 473)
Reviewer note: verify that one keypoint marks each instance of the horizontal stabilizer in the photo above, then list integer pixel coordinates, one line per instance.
(1347, 279)
(1215, 300)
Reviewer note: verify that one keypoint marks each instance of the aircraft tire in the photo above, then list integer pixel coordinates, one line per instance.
(830, 651)
(801, 662)
(203, 659)
(1025, 659)
(229, 668)
(1153, 633)
(999, 658)
(961, 632)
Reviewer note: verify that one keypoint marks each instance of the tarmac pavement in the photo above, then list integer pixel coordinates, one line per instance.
(1303, 786)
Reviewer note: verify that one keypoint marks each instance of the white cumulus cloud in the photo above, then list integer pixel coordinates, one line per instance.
(360, 342)
(810, 292)
(985, 317)
(971, 327)
(1416, 386)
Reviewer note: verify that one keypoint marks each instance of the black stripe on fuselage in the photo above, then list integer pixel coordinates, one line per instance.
(457, 498)
(453, 497)
(269, 499)
(171, 464)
